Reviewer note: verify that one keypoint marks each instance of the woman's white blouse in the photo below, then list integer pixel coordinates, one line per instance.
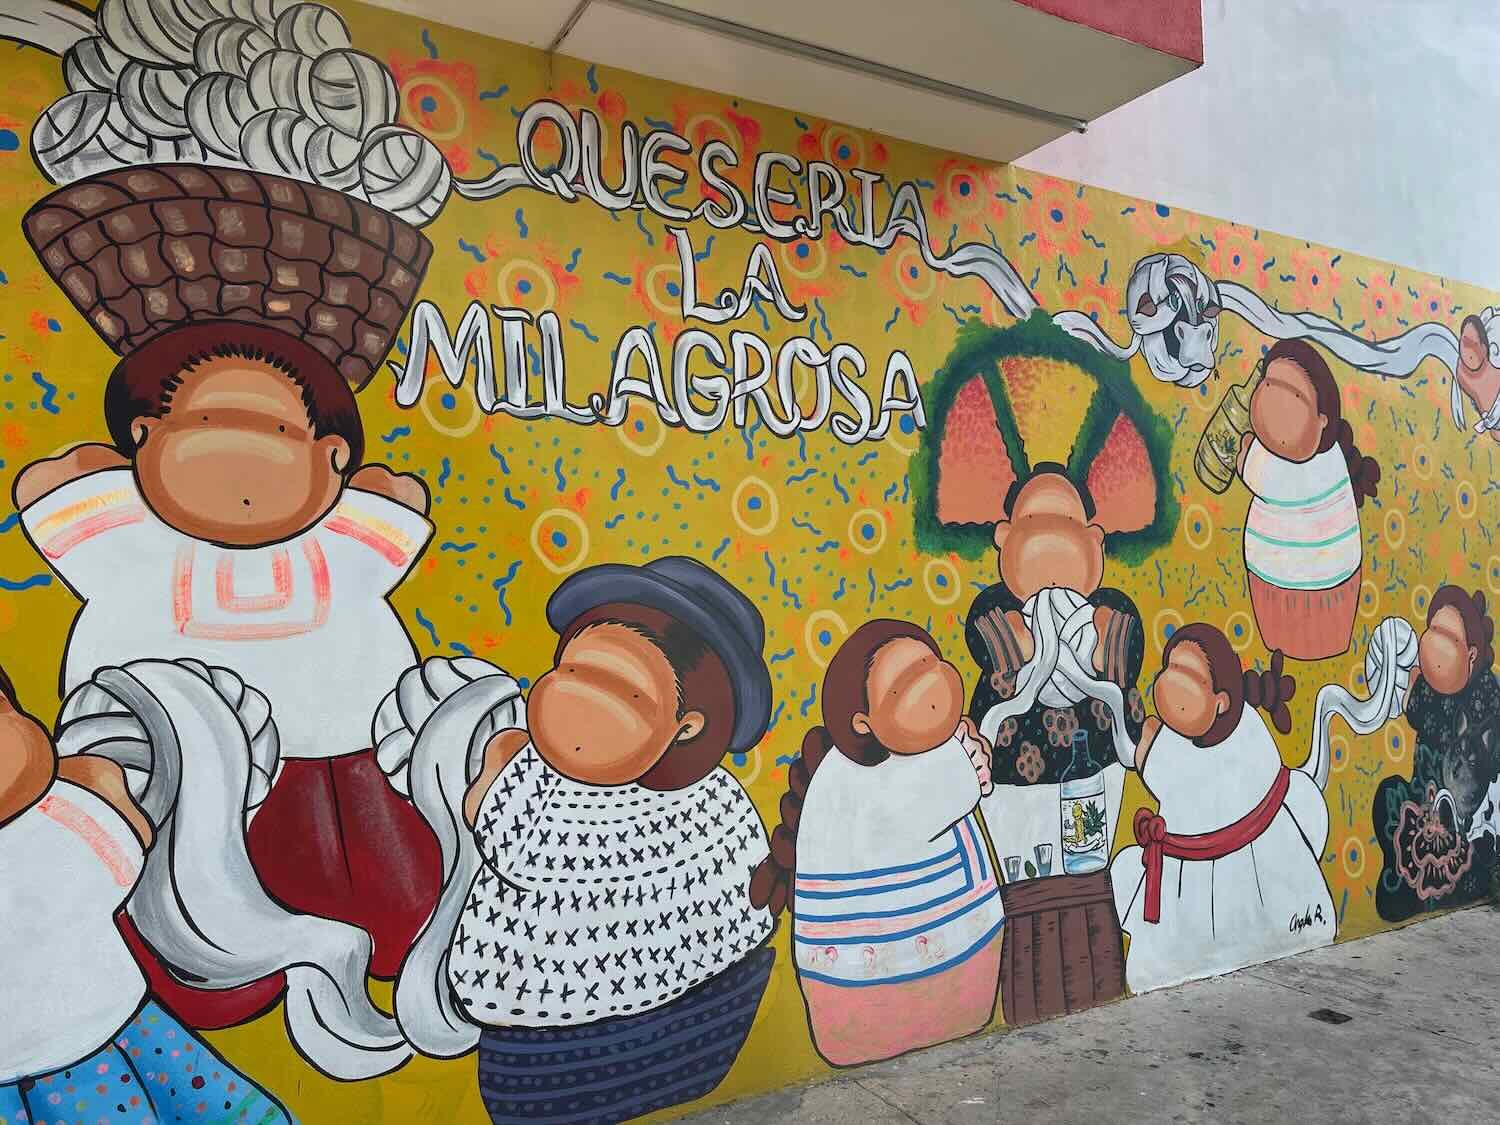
(66, 865)
(305, 621)
(894, 882)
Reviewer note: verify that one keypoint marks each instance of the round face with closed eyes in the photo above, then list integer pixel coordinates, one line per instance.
(1047, 540)
(1477, 376)
(609, 710)
(915, 698)
(1284, 412)
(234, 459)
(1444, 653)
(1184, 693)
(1473, 350)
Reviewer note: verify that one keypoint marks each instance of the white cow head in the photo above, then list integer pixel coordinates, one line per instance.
(1174, 310)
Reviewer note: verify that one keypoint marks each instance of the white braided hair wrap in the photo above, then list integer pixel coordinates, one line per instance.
(1059, 672)
(1389, 659)
(199, 903)
(430, 735)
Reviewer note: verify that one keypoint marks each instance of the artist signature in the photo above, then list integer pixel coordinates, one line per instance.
(1312, 916)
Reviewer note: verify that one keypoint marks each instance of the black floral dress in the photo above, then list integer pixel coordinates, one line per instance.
(1423, 824)
(1037, 747)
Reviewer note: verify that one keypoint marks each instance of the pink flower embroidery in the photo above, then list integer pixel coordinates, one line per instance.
(1431, 853)
(1030, 763)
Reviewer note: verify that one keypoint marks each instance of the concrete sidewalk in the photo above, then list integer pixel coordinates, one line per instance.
(1423, 1008)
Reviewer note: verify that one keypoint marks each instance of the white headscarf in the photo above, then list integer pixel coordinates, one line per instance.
(430, 735)
(1057, 675)
(199, 903)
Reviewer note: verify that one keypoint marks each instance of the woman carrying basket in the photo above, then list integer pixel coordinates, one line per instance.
(231, 521)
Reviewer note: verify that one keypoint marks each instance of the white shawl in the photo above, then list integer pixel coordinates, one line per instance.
(431, 734)
(1389, 659)
(199, 903)
(1058, 673)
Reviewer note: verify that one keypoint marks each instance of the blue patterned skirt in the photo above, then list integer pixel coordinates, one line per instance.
(154, 1072)
(616, 1069)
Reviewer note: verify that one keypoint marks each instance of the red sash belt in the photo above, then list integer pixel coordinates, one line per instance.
(1157, 843)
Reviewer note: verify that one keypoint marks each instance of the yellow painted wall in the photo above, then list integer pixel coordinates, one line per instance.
(642, 491)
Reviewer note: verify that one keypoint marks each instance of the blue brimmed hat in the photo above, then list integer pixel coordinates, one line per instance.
(701, 599)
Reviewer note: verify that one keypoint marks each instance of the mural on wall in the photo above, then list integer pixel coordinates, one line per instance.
(1437, 830)
(881, 857)
(1227, 864)
(451, 484)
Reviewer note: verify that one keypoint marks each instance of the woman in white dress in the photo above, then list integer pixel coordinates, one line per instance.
(896, 908)
(1226, 873)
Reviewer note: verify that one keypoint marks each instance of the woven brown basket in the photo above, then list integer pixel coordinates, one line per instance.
(143, 250)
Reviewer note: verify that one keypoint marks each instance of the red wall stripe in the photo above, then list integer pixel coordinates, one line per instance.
(1174, 27)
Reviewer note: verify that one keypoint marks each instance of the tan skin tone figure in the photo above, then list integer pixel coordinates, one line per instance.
(28, 765)
(604, 715)
(608, 712)
(233, 461)
(1477, 377)
(1445, 658)
(1284, 415)
(1049, 541)
(1186, 701)
(916, 701)
(1184, 698)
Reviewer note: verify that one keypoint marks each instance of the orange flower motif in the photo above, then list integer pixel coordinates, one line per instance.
(606, 104)
(656, 286)
(1057, 215)
(1383, 304)
(704, 120)
(531, 275)
(444, 101)
(1238, 256)
(1161, 224)
(1430, 302)
(808, 268)
(1094, 299)
(905, 276)
(840, 146)
(964, 194)
(1354, 396)
(1318, 279)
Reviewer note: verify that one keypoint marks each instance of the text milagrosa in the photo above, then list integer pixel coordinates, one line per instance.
(792, 390)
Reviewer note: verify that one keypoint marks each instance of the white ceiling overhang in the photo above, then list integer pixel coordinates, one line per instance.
(993, 78)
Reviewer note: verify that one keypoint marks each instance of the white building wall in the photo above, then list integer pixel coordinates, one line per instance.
(1369, 125)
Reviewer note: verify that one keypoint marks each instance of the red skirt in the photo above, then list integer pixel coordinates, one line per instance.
(333, 839)
(1306, 624)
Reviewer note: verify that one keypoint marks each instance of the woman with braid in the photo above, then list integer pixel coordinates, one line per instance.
(1227, 871)
(896, 912)
(1308, 480)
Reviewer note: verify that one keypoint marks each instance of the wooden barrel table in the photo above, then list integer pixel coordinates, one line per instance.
(1063, 950)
